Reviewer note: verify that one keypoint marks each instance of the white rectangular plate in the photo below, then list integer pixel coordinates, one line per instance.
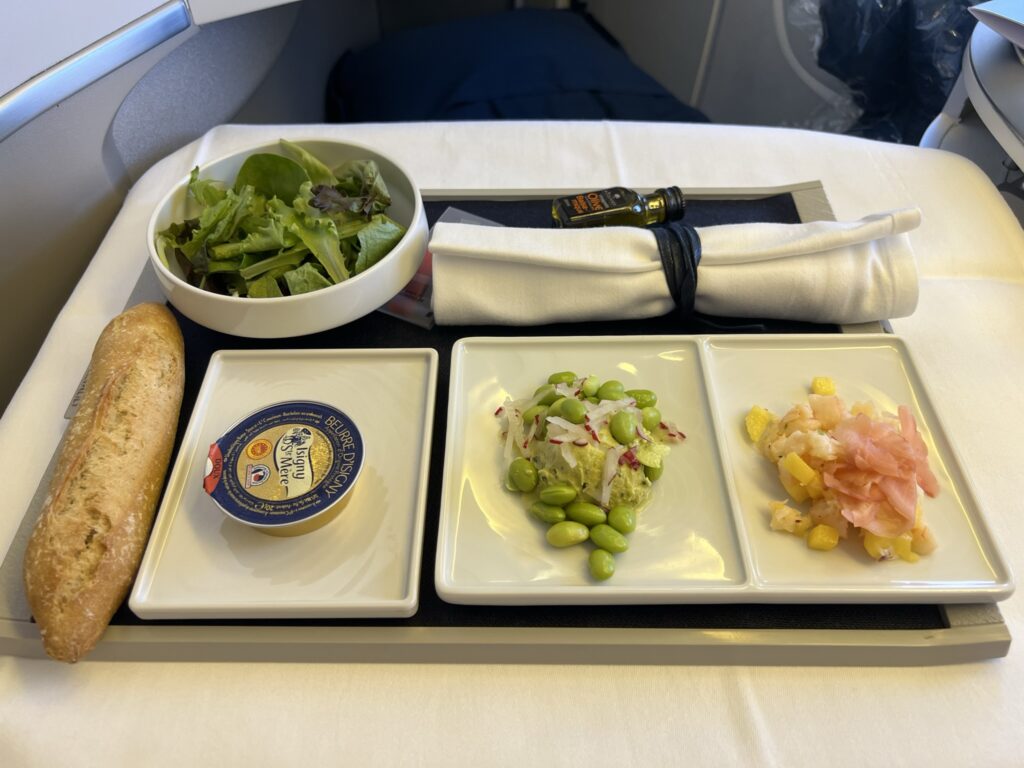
(489, 548)
(365, 563)
(704, 537)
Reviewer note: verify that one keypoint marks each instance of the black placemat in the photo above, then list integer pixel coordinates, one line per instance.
(776, 209)
(378, 330)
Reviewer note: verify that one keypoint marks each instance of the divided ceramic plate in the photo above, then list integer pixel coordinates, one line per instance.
(365, 563)
(705, 536)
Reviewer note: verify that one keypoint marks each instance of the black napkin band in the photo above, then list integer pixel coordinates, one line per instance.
(679, 246)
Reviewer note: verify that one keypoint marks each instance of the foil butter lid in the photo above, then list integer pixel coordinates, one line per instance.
(287, 469)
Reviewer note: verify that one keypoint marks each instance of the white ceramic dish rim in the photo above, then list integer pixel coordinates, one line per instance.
(158, 264)
(748, 591)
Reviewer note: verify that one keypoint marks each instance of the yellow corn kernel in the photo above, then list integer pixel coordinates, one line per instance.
(823, 385)
(801, 471)
(757, 421)
(785, 518)
(868, 409)
(823, 537)
(816, 488)
(904, 545)
(922, 541)
(793, 488)
(886, 548)
(879, 547)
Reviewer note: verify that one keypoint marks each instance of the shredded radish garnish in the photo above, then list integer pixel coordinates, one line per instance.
(611, 468)
(533, 430)
(510, 441)
(630, 458)
(565, 390)
(609, 408)
(560, 427)
(671, 432)
(568, 455)
(565, 424)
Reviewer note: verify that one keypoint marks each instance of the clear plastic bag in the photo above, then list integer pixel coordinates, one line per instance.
(837, 112)
(898, 58)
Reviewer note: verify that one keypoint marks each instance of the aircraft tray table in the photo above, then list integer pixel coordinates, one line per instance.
(893, 634)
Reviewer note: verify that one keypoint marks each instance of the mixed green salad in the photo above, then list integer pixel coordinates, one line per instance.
(288, 225)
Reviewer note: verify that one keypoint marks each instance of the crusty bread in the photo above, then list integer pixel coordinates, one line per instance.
(86, 547)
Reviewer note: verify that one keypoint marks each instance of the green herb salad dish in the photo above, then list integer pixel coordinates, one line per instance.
(288, 238)
(585, 455)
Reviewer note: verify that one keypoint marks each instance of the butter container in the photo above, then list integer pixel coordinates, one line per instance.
(286, 469)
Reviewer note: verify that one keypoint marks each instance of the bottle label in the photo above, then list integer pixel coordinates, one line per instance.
(597, 201)
(594, 208)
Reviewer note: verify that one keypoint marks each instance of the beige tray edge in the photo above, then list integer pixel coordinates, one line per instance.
(976, 633)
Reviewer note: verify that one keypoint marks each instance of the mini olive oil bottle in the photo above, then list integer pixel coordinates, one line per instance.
(619, 207)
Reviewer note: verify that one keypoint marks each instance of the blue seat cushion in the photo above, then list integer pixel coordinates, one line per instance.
(523, 64)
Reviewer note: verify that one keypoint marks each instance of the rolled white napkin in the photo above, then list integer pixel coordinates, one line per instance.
(822, 271)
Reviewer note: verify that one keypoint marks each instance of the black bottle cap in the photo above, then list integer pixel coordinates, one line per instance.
(675, 202)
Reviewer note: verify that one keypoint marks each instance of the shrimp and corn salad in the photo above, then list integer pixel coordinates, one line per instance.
(848, 473)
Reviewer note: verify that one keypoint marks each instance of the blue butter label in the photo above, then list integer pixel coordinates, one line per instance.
(285, 463)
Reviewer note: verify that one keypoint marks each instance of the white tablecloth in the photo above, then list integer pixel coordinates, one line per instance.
(966, 334)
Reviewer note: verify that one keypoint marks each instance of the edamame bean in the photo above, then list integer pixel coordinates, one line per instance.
(556, 407)
(606, 537)
(573, 410)
(586, 513)
(547, 394)
(522, 474)
(622, 519)
(644, 397)
(538, 413)
(531, 414)
(564, 377)
(567, 533)
(590, 386)
(602, 564)
(623, 427)
(653, 473)
(650, 417)
(547, 513)
(611, 390)
(558, 494)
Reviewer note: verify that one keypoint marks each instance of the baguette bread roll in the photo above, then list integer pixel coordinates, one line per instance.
(87, 544)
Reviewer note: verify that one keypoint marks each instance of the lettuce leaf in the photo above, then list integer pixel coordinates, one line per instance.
(266, 234)
(271, 176)
(305, 279)
(205, 192)
(224, 265)
(286, 259)
(265, 287)
(376, 240)
(360, 189)
(219, 222)
(317, 232)
(317, 172)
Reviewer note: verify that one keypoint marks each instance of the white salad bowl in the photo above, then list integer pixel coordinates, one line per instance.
(308, 312)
